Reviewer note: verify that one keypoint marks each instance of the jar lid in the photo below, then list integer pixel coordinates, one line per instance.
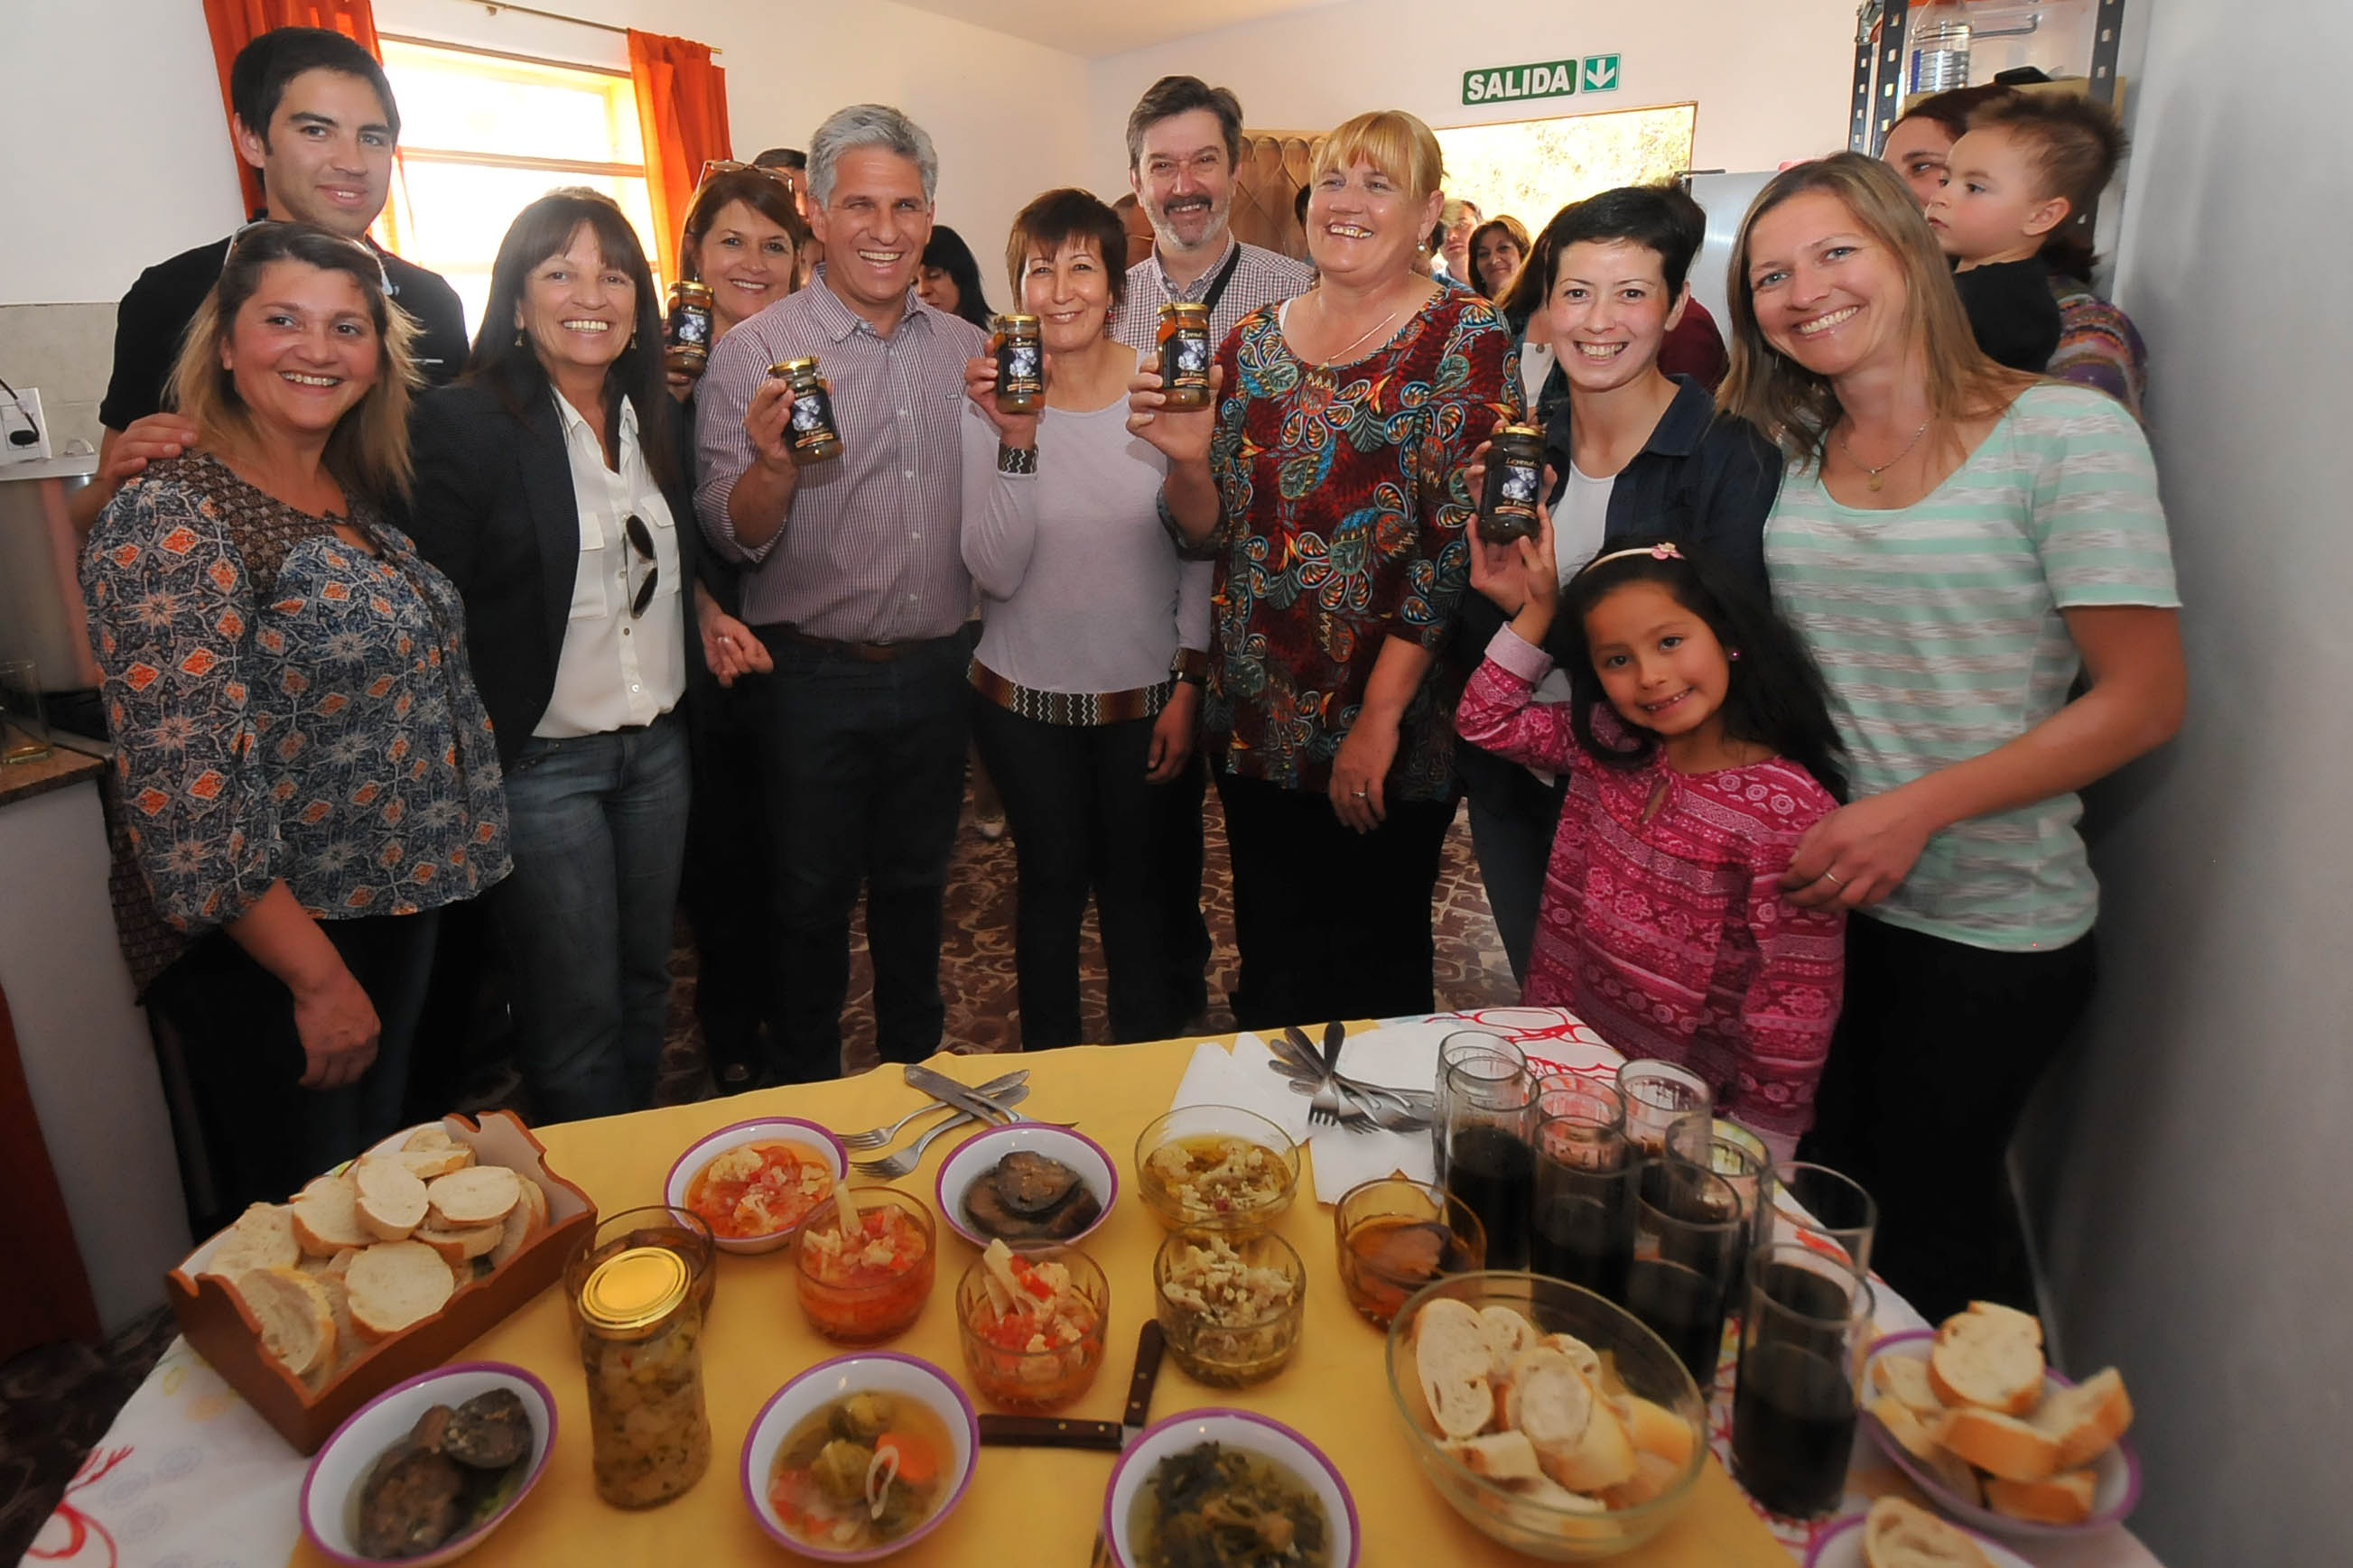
(1519, 433)
(793, 367)
(687, 289)
(1185, 308)
(1014, 321)
(634, 1290)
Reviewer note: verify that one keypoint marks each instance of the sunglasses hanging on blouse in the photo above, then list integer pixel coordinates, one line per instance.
(641, 539)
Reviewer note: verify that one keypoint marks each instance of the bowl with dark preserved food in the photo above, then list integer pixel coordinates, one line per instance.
(860, 1456)
(1215, 1167)
(1028, 1183)
(1228, 1486)
(756, 1182)
(425, 1470)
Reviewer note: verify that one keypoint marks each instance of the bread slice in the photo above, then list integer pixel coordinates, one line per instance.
(1549, 1401)
(1586, 1358)
(478, 1195)
(349, 1346)
(462, 1246)
(523, 1221)
(298, 1327)
(427, 1163)
(261, 1238)
(2064, 1499)
(1508, 1333)
(1604, 1457)
(1989, 1358)
(2001, 1444)
(1450, 1362)
(1900, 1534)
(395, 1284)
(1923, 1440)
(1499, 1456)
(326, 1217)
(1655, 1429)
(431, 1135)
(1906, 1377)
(391, 1200)
(2085, 1421)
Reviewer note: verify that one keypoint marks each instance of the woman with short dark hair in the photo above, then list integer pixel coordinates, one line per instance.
(550, 487)
(1080, 702)
(949, 279)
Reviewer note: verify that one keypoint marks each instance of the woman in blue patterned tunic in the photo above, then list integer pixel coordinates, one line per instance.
(305, 773)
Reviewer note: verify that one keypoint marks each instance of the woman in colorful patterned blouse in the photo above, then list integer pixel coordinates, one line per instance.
(306, 774)
(1955, 542)
(1326, 480)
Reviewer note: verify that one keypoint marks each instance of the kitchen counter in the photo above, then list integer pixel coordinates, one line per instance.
(22, 781)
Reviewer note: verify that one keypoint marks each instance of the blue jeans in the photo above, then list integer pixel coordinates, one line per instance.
(598, 824)
(1513, 841)
(864, 766)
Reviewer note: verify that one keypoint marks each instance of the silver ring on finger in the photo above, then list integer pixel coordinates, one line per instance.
(1833, 879)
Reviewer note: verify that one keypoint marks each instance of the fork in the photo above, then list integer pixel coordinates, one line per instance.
(892, 1166)
(882, 1137)
(1359, 1110)
(1324, 1111)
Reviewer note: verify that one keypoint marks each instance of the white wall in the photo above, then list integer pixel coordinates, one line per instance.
(1772, 80)
(2196, 1214)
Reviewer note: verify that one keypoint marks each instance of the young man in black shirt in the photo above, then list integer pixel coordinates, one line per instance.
(316, 117)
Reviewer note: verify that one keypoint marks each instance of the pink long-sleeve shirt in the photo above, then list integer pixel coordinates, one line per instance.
(1664, 928)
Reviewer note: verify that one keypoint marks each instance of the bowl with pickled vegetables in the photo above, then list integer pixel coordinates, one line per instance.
(756, 1182)
(859, 1456)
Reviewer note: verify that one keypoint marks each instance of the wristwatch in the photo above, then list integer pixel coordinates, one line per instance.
(1016, 459)
(1192, 667)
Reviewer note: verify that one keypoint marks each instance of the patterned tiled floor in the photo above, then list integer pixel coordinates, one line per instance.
(56, 1403)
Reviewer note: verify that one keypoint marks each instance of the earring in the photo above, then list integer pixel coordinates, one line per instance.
(1735, 655)
(517, 343)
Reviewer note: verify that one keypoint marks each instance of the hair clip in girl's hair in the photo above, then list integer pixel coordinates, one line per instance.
(1664, 550)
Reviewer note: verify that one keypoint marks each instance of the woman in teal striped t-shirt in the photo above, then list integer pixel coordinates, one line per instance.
(1956, 543)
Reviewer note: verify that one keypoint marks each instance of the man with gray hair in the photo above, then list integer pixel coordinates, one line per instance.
(857, 584)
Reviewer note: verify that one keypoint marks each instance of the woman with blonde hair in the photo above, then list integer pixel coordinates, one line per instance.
(1326, 480)
(1956, 543)
(305, 776)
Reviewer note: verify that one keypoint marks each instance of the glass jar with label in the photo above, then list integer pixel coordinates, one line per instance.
(1020, 365)
(815, 437)
(640, 1294)
(689, 326)
(1185, 353)
(1514, 477)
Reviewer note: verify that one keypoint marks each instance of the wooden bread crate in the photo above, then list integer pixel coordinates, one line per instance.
(225, 1334)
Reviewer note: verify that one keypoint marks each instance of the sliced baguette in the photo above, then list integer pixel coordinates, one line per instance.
(432, 1135)
(1508, 1333)
(349, 1346)
(261, 1238)
(523, 1221)
(2064, 1499)
(1450, 1361)
(326, 1217)
(391, 1200)
(1549, 1401)
(1899, 1534)
(1988, 1359)
(427, 1163)
(458, 1246)
(1657, 1430)
(1499, 1456)
(478, 1195)
(2001, 1444)
(298, 1327)
(1906, 1377)
(2085, 1421)
(395, 1284)
(1586, 1358)
(1604, 1459)
(1921, 1438)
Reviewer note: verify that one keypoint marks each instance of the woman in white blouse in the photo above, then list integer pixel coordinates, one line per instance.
(1087, 679)
(550, 488)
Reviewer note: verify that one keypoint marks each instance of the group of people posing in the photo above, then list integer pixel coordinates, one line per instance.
(1771, 732)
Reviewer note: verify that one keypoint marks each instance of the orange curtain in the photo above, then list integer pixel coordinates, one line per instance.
(682, 113)
(236, 23)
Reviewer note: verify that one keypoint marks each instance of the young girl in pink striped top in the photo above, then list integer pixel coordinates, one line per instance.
(1699, 747)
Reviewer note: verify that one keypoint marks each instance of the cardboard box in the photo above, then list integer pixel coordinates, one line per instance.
(218, 1325)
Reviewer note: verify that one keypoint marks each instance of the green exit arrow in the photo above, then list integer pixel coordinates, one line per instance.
(1600, 72)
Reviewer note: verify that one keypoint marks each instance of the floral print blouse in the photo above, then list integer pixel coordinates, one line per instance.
(1342, 506)
(287, 706)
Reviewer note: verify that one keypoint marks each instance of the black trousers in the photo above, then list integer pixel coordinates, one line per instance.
(1176, 854)
(259, 1134)
(1079, 808)
(724, 887)
(1331, 923)
(1937, 1049)
(862, 765)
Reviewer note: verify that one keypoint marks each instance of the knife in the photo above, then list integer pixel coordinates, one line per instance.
(1110, 1436)
(939, 1086)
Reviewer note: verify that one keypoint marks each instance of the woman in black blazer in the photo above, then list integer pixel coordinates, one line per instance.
(550, 489)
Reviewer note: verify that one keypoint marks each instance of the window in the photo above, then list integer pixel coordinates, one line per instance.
(1532, 168)
(482, 135)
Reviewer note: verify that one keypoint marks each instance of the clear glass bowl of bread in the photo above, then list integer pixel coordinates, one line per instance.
(1549, 1417)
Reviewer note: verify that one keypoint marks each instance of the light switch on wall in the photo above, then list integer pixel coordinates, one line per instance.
(24, 432)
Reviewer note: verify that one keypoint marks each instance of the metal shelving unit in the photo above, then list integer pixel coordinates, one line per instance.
(1880, 30)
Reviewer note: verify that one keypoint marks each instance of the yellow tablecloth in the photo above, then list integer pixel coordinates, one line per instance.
(1027, 1507)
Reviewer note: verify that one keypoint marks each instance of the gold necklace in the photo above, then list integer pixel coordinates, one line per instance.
(1872, 483)
(1340, 356)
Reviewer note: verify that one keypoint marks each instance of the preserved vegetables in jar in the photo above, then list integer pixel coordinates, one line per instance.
(640, 1294)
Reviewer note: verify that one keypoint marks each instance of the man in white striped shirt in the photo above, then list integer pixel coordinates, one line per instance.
(858, 588)
(1183, 141)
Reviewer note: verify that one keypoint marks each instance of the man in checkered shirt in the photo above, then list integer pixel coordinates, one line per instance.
(1184, 140)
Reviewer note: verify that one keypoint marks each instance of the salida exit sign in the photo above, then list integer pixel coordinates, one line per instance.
(1543, 78)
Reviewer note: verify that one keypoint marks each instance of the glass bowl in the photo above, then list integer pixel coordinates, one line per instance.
(855, 1303)
(1406, 1234)
(1216, 1328)
(1641, 1361)
(1195, 1208)
(1047, 1378)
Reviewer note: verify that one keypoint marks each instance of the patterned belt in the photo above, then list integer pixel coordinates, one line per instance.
(1072, 708)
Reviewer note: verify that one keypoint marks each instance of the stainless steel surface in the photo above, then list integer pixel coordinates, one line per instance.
(40, 585)
(892, 1167)
(882, 1137)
